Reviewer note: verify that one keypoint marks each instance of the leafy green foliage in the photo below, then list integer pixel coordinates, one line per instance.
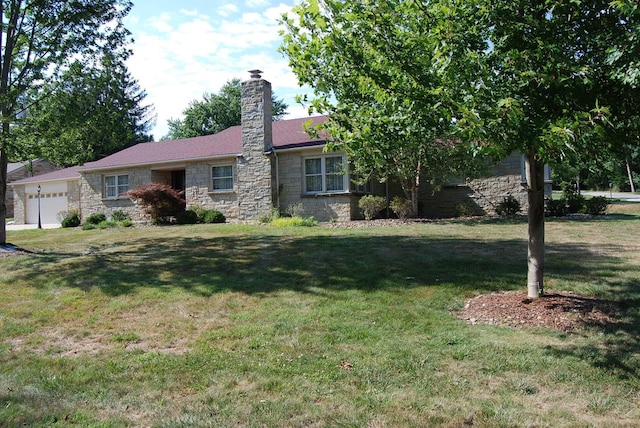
(187, 217)
(96, 218)
(120, 216)
(215, 112)
(371, 206)
(39, 41)
(294, 221)
(72, 219)
(401, 207)
(94, 111)
(213, 216)
(556, 207)
(160, 201)
(508, 206)
(387, 100)
(596, 205)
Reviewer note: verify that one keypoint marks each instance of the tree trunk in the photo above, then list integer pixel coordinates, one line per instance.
(3, 196)
(535, 250)
(630, 173)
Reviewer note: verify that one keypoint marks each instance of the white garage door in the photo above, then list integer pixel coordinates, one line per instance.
(51, 203)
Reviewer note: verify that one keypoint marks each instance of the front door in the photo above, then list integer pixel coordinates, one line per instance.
(178, 179)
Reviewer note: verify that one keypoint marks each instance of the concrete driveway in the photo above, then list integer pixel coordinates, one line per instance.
(623, 196)
(31, 226)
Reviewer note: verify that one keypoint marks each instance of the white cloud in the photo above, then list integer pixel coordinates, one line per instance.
(257, 3)
(179, 57)
(227, 10)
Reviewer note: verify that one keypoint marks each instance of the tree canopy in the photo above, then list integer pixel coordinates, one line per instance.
(546, 78)
(92, 112)
(215, 113)
(40, 39)
(387, 106)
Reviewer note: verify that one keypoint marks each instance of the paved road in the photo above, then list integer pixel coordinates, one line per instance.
(623, 196)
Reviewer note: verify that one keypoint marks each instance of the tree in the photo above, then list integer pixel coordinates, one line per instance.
(513, 75)
(39, 39)
(215, 113)
(364, 71)
(92, 112)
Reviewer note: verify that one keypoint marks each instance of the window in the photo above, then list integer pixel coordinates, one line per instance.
(115, 185)
(222, 178)
(325, 174)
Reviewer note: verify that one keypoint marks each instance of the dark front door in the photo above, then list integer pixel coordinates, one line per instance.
(178, 179)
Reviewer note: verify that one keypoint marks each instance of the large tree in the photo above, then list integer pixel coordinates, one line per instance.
(95, 110)
(365, 73)
(215, 113)
(40, 38)
(526, 75)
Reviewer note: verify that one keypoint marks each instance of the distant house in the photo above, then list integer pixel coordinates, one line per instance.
(21, 170)
(244, 171)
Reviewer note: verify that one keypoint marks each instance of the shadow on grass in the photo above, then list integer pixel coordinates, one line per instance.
(263, 264)
(260, 265)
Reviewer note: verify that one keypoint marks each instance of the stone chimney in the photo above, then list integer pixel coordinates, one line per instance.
(255, 168)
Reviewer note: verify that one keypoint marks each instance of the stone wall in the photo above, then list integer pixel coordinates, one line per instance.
(19, 205)
(198, 189)
(338, 207)
(481, 195)
(92, 188)
(255, 168)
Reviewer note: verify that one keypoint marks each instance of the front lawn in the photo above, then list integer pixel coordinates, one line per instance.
(233, 325)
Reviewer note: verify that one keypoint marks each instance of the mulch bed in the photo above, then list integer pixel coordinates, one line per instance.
(557, 310)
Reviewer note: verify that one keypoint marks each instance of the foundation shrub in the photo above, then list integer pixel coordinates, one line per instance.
(371, 206)
(508, 206)
(401, 207)
(71, 219)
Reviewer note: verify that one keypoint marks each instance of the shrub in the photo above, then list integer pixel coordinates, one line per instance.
(508, 206)
(294, 221)
(269, 216)
(555, 208)
(295, 210)
(371, 205)
(401, 207)
(213, 216)
(575, 202)
(596, 205)
(72, 219)
(467, 209)
(96, 218)
(120, 216)
(160, 201)
(187, 217)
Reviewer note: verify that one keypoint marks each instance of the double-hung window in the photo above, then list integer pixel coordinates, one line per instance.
(115, 185)
(222, 178)
(325, 174)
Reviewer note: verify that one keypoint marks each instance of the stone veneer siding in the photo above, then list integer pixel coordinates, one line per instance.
(337, 206)
(92, 187)
(482, 194)
(255, 169)
(198, 188)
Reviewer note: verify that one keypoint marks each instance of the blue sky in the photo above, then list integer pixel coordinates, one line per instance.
(185, 48)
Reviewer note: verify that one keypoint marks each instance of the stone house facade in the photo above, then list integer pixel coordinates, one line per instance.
(245, 171)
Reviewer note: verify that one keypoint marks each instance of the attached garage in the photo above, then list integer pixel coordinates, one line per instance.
(53, 200)
(49, 196)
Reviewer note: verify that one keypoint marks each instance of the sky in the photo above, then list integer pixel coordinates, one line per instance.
(185, 48)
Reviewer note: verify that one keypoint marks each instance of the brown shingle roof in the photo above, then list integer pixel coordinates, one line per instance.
(70, 173)
(286, 134)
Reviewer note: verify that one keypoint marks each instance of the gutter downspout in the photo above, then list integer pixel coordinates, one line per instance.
(277, 178)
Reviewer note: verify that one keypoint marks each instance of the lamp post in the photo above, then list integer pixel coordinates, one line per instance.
(39, 217)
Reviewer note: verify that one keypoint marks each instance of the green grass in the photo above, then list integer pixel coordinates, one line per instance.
(235, 325)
